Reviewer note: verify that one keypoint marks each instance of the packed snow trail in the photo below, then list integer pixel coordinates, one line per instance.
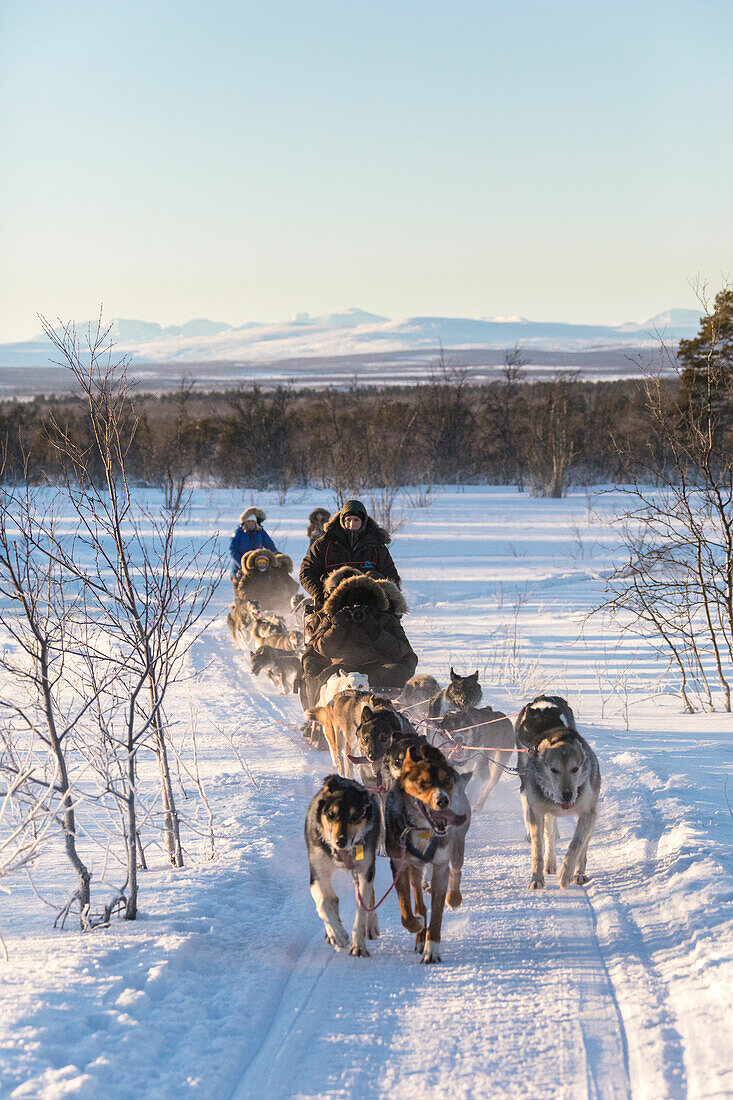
(522, 982)
(225, 987)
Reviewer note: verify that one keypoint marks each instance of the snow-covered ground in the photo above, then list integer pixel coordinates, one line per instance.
(225, 987)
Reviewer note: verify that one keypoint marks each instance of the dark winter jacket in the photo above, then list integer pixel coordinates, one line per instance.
(244, 541)
(333, 550)
(274, 588)
(359, 630)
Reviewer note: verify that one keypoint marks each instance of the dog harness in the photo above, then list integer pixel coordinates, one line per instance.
(429, 852)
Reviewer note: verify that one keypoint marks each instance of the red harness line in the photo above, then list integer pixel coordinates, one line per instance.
(373, 908)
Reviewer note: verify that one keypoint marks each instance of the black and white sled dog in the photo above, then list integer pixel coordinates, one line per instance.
(462, 692)
(559, 777)
(341, 833)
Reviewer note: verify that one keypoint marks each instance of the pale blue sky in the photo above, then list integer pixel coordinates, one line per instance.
(243, 161)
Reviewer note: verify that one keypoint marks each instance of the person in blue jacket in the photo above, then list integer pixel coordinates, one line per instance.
(250, 535)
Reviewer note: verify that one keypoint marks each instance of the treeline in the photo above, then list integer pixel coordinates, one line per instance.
(542, 436)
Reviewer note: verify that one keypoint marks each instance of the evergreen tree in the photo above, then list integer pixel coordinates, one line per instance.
(706, 383)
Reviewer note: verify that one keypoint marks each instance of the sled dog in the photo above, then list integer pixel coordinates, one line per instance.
(341, 831)
(559, 777)
(264, 626)
(342, 681)
(289, 643)
(462, 692)
(281, 667)
(427, 816)
(239, 620)
(480, 727)
(395, 756)
(339, 720)
(546, 712)
(419, 689)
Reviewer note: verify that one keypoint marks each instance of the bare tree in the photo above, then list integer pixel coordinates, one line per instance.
(36, 610)
(675, 586)
(505, 415)
(550, 434)
(147, 588)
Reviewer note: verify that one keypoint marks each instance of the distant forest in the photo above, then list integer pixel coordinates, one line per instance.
(540, 436)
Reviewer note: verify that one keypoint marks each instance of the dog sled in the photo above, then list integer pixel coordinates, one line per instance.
(358, 630)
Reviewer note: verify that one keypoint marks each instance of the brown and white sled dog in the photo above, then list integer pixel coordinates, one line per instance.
(559, 777)
(342, 681)
(480, 730)
(341, 831)
(280, 666)
(427, 816)
(339, 720)
(462, 692)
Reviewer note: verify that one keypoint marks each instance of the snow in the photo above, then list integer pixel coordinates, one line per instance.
(225, 985)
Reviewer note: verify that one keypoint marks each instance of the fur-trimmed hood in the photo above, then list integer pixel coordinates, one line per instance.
(371, 532)
(319, 516)
(253, 513)
(353, 588)
(333, 580)
(280, 562)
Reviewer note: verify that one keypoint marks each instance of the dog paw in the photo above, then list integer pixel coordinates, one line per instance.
(373, 928)
(337, 937)
(454, 898)
(564, 877)
(420, 940)
(359, 950)
(430, 954)
(536, 883)
(580, 880)
(551, 867)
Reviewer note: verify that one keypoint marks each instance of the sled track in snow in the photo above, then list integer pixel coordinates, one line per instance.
(523, 984)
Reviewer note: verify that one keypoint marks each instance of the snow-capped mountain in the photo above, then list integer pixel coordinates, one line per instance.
(356, 332)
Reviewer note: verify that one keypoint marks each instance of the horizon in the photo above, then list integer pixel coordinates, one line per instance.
(304, 318)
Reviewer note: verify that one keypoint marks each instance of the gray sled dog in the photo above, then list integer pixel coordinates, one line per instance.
(559, 777)
(462, 692)
(280, 666)
(341, 831)
(242, 615)
(426, 820)
(481, 729)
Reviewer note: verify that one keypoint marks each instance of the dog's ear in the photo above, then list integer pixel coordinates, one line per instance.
(367, 714)
(331, 783)
(414, 753)
(453, 675)
(475, 676)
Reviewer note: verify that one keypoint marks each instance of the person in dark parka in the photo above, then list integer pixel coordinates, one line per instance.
(359, 630)
(316, 522)
(351, 537)
(250, 535)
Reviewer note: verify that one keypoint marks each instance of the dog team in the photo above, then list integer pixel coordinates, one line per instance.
(405, 751)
